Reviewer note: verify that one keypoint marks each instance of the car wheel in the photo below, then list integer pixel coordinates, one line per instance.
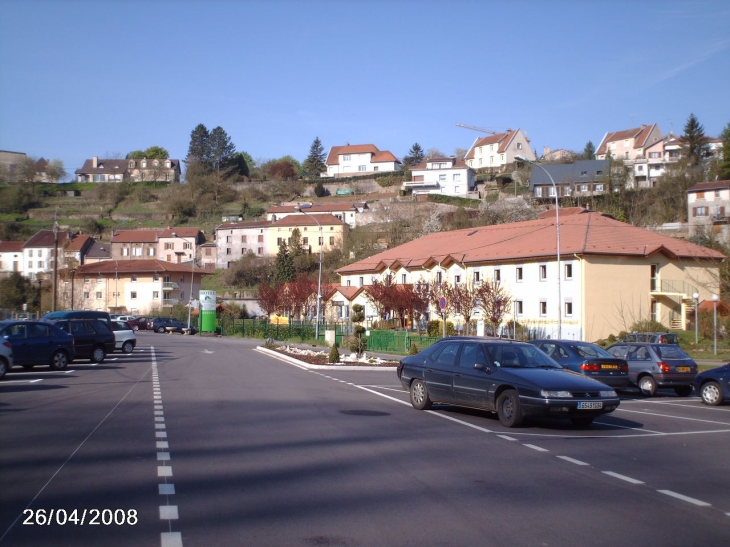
(3, 367)
(583, 421)
(127, 347)
(419, 395)
(98, 354)
(683, 391)
(59, 360)
(161, 330)
(509, 409)
(648, 386)
(711, 394)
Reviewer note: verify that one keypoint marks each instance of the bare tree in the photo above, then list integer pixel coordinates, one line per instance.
(493, 300)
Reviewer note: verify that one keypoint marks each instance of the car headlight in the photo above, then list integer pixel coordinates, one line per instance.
(547, 394)
(609, 393)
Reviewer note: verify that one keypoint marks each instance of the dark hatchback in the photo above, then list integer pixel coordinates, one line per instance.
(93, 339)
(513, 379)
(587, 359)
(714, 385)
(168, 324)
(37, 343)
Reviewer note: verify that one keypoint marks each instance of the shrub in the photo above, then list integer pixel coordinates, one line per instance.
(436, 328)
(413, 349)
(357, 345)
(648, 325)
(334, 356)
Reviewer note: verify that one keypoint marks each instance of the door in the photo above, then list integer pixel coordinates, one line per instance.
(439, 373)
(84, 338)
(40, 340)
(472, 385)
(15, 334)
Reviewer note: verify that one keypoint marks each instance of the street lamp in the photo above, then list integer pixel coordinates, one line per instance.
(715, 298)
(73, 274)
(192, 274)
(39, 278)
(557, 231)
(696, 297)
(298, 209)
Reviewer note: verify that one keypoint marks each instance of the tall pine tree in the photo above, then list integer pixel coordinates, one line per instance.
(199, 151)
(315, 165)
(725, 162)
(694, 139)
(589, 152)
(221, 151)
(283, 266)
(415, 155)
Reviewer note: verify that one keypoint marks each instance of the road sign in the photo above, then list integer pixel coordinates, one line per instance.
(442, 303)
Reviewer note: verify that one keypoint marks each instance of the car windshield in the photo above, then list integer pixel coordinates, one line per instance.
(120, 325)
(520, 356)
(589, 350)
(670, 352)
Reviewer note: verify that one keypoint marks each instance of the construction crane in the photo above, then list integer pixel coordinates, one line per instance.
(474, 128)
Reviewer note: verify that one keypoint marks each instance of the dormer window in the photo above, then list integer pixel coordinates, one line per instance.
(144, 165)
(156, 163)
(168, 164)
(132, 164)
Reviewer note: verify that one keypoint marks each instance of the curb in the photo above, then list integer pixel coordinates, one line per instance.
(302, 364)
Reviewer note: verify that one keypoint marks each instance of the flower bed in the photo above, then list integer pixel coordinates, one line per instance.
(320, 357)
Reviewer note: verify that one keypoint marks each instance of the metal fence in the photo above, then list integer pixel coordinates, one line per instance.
(398, 341)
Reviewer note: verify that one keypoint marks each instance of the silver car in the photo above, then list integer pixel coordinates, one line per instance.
(652, 366)
(125, 339)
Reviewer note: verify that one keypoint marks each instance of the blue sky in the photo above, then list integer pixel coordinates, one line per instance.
(90, 77)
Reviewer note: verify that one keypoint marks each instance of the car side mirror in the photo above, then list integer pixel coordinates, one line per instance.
(484, 367)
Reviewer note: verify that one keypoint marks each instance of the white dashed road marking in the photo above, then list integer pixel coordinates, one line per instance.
(622, 477)
(684, 498)
(571, 460)
(538, 448)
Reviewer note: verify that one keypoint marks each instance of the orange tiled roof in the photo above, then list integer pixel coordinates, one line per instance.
(136, 236)
(713, 185)
(586, 233)
(501, 138)
(304, 220)
(181, 232)
(11, 246)
(639, 134)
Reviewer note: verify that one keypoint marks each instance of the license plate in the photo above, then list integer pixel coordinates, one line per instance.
(589, 405)
(609, 367)
(683, 369)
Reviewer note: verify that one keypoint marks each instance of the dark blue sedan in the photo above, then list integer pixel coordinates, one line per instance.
(714, 385)
(38, 343)
(513, 379)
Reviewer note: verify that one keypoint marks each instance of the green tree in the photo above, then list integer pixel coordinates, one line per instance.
(16, 290)
(284, 265)
(55, 171)
(315, 165)
(415, 155)
(221, 150)
(695, 142)
(589, 152)
(319, 189)
(25, 170)
(238, 165)
(152, 153)
(725, 162)
(358, 344)
(199, 148)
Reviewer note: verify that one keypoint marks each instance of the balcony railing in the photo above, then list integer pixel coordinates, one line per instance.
(672, 286)
(169, 286)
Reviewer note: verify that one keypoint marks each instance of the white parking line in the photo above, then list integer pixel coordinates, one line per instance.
(671, 416)
(622, 477)
(171, 539)
(685, 498)
(6, 382)
(168, 512)
(572, 460)
(506, 437)
(538, 448)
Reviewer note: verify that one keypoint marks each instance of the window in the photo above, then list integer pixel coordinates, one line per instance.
(375, 168)
(155, 277)
(243, 239)
(332, 240)
(518, 307)
(321, 241)
(543, 308)
(457, 279)
(137, 251)
(228, 251)
(519, 146)
(151, 251)
(538, 191)
(187, 245)
(519, 274)
(361, 280)
(134, 278)
(699, 211)
(442, 177)
(30, 253)
(626, 155)
(654, 155)
(133, 295)
(403, 278)
(568, 309)
(243, 250)
(543, 272)
(361, 168)
(305, 241)
(260, 250)
(456, 177)
(125, 251)
(717, 194)
(476, 277)
(208, 251)
(86, 295)
(568, 271)
(346, 157)
(439, 278)
(497, 275)
(583, 173)
(583, 187)
(40, 264)
(279, 241)
(260, 239)
(599, 187)
(98, 295)
(653, 277)
(640, 168)
(229, 239)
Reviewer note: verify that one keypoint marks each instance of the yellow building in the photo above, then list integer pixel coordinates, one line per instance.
(317, 231)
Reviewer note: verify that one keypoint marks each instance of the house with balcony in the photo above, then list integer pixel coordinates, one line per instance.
(169, 244)
(582, 178)
(111, 170)
(449, 176)
(497, 152)
(610, 274)
(628, 144)
(359, 159)
(346, 212)
(179, 244)
(137, 287)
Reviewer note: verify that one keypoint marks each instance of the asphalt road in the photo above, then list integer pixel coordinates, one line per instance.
(204, 441)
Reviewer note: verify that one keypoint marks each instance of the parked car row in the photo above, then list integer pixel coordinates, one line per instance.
(552, 378)
(62, 337)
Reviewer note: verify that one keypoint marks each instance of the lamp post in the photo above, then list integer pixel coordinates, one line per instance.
(73, 274)
(319, 280)
(715, 298)
(192, 275)
(39, 278)
(557, 232)
(696, 297)
(55, 263)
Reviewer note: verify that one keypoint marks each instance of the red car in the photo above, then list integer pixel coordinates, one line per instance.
(137, 323)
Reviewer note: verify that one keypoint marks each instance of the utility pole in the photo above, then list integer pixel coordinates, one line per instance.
(55, 259)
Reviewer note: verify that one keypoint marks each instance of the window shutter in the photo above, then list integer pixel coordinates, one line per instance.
(722, 211)
(694, 211)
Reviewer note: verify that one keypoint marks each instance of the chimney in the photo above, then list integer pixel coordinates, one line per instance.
(95, 162)
(545, 150)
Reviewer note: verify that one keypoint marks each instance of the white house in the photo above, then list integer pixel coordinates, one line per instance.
(11, 257)
(359, 159)
(449, 176)
(499, 150)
